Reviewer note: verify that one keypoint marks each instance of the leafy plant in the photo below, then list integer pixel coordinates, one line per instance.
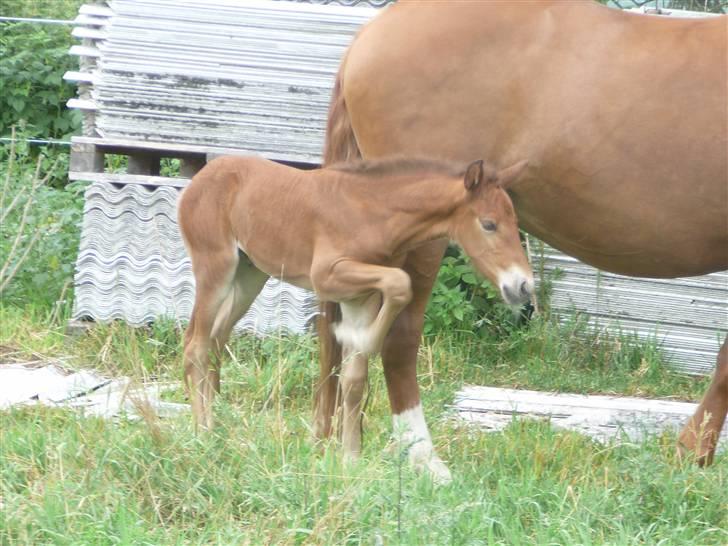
(461, 300)
(33, 59)
(48, 9)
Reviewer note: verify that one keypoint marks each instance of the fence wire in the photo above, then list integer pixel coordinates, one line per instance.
(36, 20)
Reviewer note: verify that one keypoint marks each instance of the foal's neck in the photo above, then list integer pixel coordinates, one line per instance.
(421, 209)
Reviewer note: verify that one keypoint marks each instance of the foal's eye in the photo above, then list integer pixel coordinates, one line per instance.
(488, 225)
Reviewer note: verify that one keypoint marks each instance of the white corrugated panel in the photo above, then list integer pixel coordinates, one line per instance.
(252, 75)
(687, 316)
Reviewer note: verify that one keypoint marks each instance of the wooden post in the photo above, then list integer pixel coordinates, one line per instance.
(86, 158)
(190, 166)
(143, 163)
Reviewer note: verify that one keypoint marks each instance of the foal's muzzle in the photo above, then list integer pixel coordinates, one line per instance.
(516, 286)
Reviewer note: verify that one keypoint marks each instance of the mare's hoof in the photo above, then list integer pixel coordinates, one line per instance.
(702, 457)
(437, 470)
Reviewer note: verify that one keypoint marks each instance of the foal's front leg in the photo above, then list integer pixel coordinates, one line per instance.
(348, 281)
(364, 325)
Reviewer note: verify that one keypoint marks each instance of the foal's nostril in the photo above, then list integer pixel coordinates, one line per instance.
(510, 295)
(525, 289)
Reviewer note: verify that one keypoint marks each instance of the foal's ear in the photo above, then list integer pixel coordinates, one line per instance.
(474, 175)
(509, 174)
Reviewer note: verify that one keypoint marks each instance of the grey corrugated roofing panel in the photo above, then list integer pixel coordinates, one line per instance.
(253, 75)
(688, 317)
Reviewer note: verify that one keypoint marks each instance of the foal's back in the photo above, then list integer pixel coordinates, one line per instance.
(260, 207)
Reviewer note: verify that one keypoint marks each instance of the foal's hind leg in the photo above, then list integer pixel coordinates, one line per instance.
(214, 275)
(246, 285)
(701, 433)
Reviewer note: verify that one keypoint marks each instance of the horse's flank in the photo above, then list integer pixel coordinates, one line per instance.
(623, 118)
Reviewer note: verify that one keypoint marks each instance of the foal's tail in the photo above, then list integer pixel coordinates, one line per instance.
(340, 146)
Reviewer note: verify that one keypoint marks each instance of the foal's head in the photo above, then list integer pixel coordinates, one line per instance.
(486, 227)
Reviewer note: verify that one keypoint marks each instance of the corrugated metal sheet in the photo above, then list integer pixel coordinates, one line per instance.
(132, 265)
(256, 76)
(247, 75)
(679, 7)
(688, 316)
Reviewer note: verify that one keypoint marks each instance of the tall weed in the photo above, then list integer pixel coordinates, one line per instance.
(41, 224)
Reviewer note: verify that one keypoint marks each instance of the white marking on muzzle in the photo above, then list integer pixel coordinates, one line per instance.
(516, 285)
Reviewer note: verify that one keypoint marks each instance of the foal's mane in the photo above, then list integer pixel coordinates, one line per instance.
(400, 165)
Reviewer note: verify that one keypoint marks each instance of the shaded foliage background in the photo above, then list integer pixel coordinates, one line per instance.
(55, 215)
(33, 59)
(33, 95)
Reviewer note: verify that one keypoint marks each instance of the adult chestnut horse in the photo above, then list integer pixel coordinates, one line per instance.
(622, 117)
(343, 232)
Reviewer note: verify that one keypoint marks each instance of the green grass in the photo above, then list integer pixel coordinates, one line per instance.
(258, 478)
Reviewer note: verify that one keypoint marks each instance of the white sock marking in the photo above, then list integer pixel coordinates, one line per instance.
(410, 432)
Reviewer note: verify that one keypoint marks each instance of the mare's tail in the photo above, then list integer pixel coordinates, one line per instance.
(340, 146)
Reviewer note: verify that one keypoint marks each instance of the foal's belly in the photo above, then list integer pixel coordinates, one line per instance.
(291, 270)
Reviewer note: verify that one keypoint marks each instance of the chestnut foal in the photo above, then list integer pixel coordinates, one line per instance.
(342, 231)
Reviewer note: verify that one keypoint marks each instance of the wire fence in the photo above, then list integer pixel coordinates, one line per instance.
(67, 22)
(38, 141)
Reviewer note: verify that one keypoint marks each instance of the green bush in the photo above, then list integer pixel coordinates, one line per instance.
(33, 59)
(462, 300)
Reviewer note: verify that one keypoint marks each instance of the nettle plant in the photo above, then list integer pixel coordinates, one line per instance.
(461, 300)
(40, 217)
(33, 59)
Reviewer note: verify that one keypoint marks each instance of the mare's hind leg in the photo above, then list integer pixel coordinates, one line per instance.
(214, 274)
(701, 433)
(246, 285)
